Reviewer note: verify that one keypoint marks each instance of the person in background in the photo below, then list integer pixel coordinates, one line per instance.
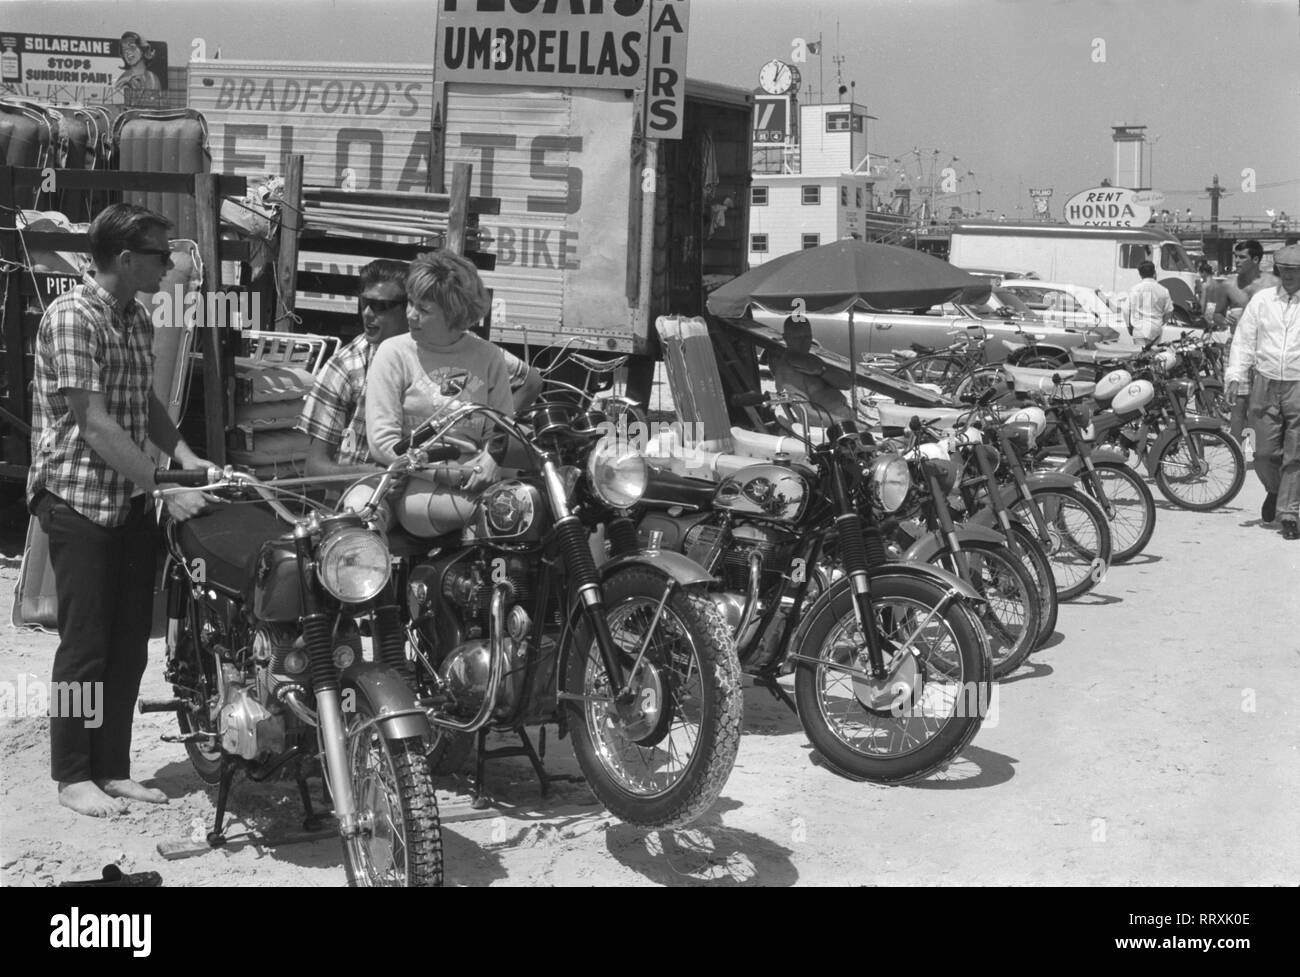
(1268, 340)
(1212, 295)
(1250, 278)
(438, 364)
(1148, 305)
(798, 370)
(334, 414)
(94, 413)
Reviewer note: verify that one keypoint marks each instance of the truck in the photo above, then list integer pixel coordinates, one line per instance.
(601, 229)
(1106, 258)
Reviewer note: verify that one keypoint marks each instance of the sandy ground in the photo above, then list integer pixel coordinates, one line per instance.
(1154, 742)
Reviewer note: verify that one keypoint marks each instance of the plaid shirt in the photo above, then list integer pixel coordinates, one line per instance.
(88, 341)
(335, 410)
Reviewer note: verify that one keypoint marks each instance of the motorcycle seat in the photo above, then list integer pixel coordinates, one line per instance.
(227, 538)
(898, 416)
(665, 486)
(1082, 355)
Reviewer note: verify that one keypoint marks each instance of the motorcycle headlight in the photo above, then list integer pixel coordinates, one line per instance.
(618, 473)
(891, 478)
(353, 565)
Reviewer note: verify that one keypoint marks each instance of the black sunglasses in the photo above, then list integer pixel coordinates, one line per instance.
(160, 252)
(380, 305)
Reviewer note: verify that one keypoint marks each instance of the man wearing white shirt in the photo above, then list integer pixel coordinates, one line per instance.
(1268, 339)
(1148, 304)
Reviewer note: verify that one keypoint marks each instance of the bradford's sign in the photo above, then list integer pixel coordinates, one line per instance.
(1106, 207)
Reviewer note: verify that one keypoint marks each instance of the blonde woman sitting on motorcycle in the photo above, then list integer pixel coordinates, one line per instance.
(436, 366)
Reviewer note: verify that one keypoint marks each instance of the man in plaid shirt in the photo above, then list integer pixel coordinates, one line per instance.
(334, 414)
(93, 412)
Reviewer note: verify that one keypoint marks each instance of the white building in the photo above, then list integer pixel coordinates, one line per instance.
(831, 195)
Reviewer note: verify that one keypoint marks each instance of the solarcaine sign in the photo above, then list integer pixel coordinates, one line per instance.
(1107, 207)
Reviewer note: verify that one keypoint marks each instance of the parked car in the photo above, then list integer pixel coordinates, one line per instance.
(998, 275)
(1080, 307)
(881, 333)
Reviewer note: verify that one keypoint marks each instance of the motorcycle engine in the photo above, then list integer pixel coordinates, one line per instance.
(465, 673)
(775, 546)
(248, 728)
(450, 601)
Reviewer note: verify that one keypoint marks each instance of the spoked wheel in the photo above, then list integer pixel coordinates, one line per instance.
(1078, 545)
(400, 843)
(1134, 507)
(196, 686)
(1211, 401)
(1032, 554)
(942, 370)
(661, 759)
(976, 383)
(1041, 362)
(1011, 611)
(1204, 477)
(924, 710)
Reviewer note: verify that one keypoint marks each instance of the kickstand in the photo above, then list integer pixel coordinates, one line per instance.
(480, 799)
(535, 757)
(310, 819)
(217, 837)
(770, 683)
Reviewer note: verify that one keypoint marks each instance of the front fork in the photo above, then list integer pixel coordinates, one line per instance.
(857, 567)
(317, 628)
(1022, 489)
(1076, 445)
(580, 567)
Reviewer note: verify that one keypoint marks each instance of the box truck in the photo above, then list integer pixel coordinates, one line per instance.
(1098, 257)
(600, 229)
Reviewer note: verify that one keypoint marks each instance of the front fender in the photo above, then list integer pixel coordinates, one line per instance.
(666, 563)
(925, 548)
(929, 572)
(1037, 349)
(1056, 480)
(390, 696)
(1194, 422)
(1109, 454)
(988, 519)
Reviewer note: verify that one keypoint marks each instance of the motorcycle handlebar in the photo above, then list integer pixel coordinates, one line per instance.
(186, 477)
(750, 399)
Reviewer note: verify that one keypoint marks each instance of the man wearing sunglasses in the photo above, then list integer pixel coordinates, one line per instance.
(1268, 340)
(94, 413)
(334, 414)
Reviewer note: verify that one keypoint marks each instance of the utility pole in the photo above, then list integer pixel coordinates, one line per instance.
(1215, 191)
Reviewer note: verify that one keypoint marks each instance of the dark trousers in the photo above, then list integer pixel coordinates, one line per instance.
(1275, 416)
(104, 580)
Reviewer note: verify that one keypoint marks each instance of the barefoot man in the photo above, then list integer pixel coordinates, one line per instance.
(93, 412)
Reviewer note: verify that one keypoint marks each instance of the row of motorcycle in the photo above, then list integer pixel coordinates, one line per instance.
(896, 572)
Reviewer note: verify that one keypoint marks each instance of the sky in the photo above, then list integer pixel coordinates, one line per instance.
(1021, 92)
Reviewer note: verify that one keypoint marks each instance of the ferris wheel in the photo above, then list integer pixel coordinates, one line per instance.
(936, 184)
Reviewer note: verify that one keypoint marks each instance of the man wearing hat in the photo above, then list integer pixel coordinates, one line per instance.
(1268, 340)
